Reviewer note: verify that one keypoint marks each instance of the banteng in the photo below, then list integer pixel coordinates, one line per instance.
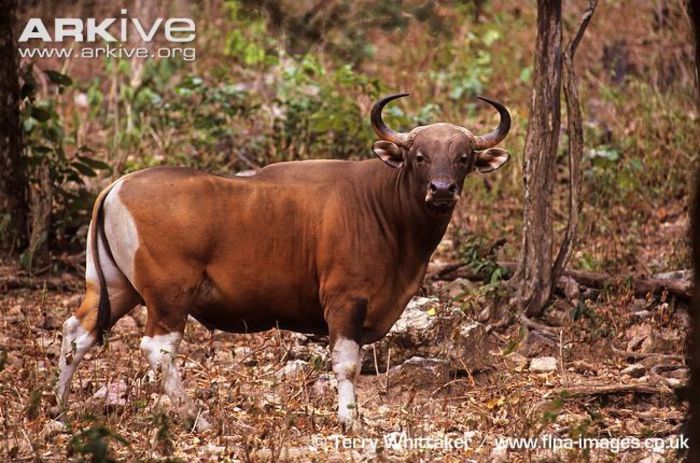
(325, 247)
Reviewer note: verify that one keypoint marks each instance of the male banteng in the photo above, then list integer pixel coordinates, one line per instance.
(326, 247)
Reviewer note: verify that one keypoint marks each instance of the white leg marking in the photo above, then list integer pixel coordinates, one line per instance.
(346, 366)
(161, 350)
(76, 342)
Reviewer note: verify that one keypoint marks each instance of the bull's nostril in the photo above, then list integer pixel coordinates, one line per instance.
(433, 187)
(452, 188)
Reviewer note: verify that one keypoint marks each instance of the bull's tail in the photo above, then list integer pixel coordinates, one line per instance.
(97, 230)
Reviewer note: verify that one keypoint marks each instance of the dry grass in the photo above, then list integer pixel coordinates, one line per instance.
(261, 414)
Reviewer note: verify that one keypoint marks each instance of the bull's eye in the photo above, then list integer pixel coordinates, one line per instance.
(420, 158)
(464, 159)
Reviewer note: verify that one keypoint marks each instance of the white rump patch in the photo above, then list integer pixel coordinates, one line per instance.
(120, 229)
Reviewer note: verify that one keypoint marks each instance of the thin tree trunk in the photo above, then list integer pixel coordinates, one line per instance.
(41, 199)
(693, 338)
(13, 194)
(535, 269)
(575, 130)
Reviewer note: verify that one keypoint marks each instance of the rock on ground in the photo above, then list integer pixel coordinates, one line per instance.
(421, 371)
(430, 330)
(112, 394)
(543, 364)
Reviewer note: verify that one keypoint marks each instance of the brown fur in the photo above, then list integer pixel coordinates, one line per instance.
(288, 247)
(325, 247)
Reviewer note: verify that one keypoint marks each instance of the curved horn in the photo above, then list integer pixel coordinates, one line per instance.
(380, 128)
(497, 135)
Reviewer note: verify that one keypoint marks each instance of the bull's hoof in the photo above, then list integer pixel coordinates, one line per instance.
(202, 424)
(55, 411)
(348, 423)
(197, 423)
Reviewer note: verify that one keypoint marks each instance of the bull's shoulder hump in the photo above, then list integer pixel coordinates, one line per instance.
(309, 171)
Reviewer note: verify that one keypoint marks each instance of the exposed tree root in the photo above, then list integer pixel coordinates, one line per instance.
(681, 289)
(643, 355)
(583, 391)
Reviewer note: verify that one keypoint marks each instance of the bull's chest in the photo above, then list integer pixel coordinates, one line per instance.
(386, 308)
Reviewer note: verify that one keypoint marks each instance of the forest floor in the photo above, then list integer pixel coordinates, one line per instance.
(271, 396)
(611, 370)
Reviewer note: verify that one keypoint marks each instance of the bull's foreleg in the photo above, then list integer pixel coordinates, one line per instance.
(161, 351)
(345, 323)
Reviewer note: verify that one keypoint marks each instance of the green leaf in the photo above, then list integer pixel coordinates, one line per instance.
(40, 114)
(94, 163)
(25, 260)
(526, 74)
(58, 78)
(41, 149)
(83, 169)
(604, 152)
(490, 37)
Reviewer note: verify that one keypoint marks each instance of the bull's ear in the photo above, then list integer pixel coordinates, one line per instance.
(491, 159)
(388, 152)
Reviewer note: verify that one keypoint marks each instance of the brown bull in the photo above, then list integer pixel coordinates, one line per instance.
(327, 247)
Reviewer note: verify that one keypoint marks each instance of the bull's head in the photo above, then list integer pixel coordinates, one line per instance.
(439, 156)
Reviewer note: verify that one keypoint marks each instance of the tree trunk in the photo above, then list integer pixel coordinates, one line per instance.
(13, 194)
(693, 338)
(574, 127)
(535, 268)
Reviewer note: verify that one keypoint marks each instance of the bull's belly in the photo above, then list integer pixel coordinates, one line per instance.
(215, 319)
(249, 306)
(254, 317)
(248, 314)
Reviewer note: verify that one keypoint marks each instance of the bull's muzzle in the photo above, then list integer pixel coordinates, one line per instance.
(442, 193)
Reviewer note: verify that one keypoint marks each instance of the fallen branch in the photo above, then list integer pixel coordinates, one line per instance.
(446, 269)
(644, 355)
(655, 374)
(585, 391)
(55, 284)
(680, 289)
(547, 331)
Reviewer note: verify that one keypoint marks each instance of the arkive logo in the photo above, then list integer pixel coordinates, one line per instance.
(89, 30)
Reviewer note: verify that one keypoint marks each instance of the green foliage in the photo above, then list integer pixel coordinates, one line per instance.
(92, 444)
(316, 115)
(48, 164)
(283, 80)
(597, 325)
(481, 259)
(343, 29)
(248, 42)
(552, 409)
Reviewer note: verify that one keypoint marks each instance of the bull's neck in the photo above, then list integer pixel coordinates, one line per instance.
(401, 212)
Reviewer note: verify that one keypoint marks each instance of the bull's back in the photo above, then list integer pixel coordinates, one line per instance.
(237, 253)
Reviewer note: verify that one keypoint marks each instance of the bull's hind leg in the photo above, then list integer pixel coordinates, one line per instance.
(80, 330)
(160, 346)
